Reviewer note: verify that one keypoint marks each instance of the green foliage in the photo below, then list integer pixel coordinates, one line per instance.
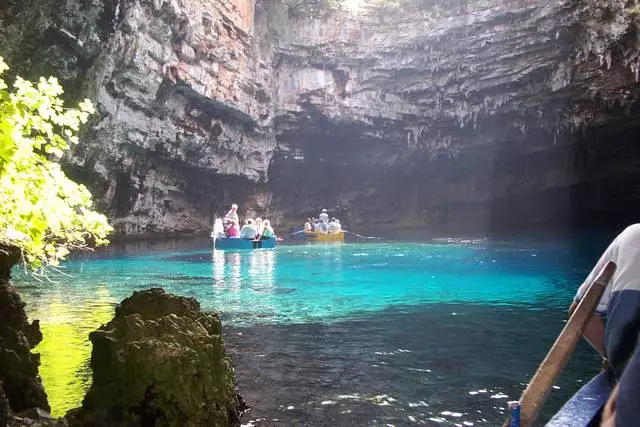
(41, 210)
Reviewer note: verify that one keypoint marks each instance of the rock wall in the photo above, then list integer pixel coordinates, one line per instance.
(448, 115)
(20, 385)
(184, 116)
(182, 93)
(459, 115)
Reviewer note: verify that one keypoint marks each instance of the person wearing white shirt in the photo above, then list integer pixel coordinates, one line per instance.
(614, 328)
(324, 216)
(248, 230)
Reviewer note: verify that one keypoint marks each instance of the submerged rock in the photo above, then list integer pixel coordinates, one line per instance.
(18, 365)
(160, 362)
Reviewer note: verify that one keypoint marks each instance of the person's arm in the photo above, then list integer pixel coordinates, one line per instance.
(594, 332)
(610, 254)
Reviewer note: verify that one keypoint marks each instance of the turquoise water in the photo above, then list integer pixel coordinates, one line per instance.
(439, 333)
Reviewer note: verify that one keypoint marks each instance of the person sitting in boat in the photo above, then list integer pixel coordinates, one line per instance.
(230, 229)
(623, 404)
(324, 216)
(218, 229)
(248, 230)
(233, 215)
(319, 227)
(267, 232)
(259, 227)
(307, 226)
(613, 330)
(334, 226)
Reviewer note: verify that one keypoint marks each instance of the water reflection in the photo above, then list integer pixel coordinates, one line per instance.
(245, 282)
(218, 269)
(65, 349)
(235, 271)
(228, 269)
(261, 270)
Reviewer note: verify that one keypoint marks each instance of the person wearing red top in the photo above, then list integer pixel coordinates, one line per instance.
(230, 229)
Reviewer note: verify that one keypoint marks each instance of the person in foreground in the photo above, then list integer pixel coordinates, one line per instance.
(615, 326)
(623, 407)
(613, 330)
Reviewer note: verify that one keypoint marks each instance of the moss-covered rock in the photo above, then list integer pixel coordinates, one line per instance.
(160, 362)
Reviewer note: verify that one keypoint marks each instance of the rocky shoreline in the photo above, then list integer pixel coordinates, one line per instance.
(160, 361)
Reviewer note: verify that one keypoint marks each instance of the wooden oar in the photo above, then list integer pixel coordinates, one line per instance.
(552, 366)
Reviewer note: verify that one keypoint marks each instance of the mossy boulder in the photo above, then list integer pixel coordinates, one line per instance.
(160, 362)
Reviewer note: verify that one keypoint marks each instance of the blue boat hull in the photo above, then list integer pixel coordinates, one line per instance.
(232, 244)
(583, 409)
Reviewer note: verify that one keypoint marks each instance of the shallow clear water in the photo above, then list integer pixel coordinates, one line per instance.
(438, 333)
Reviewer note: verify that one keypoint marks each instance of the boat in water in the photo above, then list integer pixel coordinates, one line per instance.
(220, 242)
(314, 236)
(233, 243)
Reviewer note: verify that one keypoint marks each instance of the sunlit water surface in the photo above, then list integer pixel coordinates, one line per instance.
(393, 333)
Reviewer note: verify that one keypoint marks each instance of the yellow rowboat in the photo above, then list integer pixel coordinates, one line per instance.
(313, 236)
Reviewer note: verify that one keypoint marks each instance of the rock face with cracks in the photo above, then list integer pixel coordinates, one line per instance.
(161, 362)
(442, 114)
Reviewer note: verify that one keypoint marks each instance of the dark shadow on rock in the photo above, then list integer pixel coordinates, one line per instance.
(18, 365)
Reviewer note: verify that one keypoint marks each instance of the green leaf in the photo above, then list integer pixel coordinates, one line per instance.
(42, 211)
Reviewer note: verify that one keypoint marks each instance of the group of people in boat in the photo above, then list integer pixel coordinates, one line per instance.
(323, 224)
(252, 229)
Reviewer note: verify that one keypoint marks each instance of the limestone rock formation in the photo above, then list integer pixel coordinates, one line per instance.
(483, 113)
(19, 377)
(161, 362)
(459, 113)
(183, 99)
